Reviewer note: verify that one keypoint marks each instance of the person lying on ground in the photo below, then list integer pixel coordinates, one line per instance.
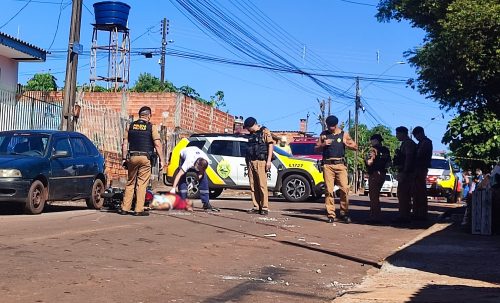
(170, 201)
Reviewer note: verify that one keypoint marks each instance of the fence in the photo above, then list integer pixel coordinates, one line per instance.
(28, 110)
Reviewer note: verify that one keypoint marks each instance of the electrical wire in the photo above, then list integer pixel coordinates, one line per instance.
(15, 15)
(57, 25)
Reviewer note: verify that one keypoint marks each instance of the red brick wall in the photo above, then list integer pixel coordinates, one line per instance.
(194, 116)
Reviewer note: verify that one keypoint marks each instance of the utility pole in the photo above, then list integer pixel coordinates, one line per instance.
(329, 105)
(356, 114)
(322, 117)
(164, 32)
(74, 48)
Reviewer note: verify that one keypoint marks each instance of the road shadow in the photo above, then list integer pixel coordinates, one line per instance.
(252, 286)
(16, 209)
(456, 293)
(453, 252)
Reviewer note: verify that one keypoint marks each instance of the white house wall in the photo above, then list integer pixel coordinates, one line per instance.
(8, 72)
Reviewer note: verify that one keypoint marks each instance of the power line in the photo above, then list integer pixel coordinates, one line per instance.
(359, 3)
(57, 26)
(15, 15)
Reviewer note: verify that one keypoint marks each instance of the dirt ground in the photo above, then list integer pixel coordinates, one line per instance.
(70, 254)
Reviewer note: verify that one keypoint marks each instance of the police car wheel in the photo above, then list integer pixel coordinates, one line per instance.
(215, 192)
(296, 188)
(193, 185)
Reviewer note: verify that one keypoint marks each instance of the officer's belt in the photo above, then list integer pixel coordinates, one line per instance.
(334, 161)
(136, 153)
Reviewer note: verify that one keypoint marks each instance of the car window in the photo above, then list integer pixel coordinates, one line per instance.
(387, 178)
(79, 147)
(222, 148)
(299, 149)
(26, 144)
(440, 164)
(197, 143)
(281, 152)
(243, 149)
(62, 144)
(91, 148)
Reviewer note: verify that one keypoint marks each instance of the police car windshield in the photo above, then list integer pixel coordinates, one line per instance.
(281, 152)
(440, 164)
(300, 149)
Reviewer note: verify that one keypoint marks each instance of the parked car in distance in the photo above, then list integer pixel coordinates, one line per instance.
(304, 148)
(390, 186)
(37, 166)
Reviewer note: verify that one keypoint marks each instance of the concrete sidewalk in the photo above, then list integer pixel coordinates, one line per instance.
(443, 264)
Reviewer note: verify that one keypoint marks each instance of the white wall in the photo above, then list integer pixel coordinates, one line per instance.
(8, 72)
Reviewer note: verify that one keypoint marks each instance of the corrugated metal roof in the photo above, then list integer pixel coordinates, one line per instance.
(23, 42)
(22, 46)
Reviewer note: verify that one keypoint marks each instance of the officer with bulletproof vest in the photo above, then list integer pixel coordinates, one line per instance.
(404, 162)
(423, 160)
(377, 161)
(140, 141)
(258, 158)
(332, 143)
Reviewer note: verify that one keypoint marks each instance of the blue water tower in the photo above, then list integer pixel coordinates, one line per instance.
(111, 18)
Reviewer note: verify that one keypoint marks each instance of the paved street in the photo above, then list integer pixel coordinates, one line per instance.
(70, 254)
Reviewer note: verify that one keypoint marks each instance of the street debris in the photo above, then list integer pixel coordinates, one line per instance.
(270, 235)
(314, 243)
(318, 271)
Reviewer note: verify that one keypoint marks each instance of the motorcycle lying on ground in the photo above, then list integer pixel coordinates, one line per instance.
(113, 198)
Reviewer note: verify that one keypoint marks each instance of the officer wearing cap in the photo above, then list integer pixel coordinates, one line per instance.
(422, 163)
(377, 161)
(404, 162)
(140, 141)
(258, 159)
(332, 142)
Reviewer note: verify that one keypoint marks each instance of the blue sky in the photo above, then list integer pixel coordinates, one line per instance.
(334, 37)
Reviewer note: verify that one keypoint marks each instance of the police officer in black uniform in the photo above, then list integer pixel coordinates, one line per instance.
(258, 159)
(332, 143)
(377, 161)
(404, 162)
(140, 141)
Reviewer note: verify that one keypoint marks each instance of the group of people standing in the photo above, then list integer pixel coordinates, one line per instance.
(142, 143)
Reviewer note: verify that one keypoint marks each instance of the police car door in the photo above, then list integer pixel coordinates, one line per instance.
(272, 176)
(224, 162)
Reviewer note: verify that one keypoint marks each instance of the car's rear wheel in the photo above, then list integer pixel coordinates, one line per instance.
(96, 200)
(296, 188)
(37, 196)
(193, 184)
(215, 192)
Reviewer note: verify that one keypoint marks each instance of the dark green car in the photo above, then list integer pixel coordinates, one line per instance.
(38, 166)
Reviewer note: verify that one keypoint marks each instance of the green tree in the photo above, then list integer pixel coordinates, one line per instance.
(217, 100)
(149, 83)
(189, 91)
(474, 144)
(42, 82)
(458, 64)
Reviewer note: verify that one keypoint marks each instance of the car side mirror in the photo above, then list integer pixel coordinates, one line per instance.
(60, 154)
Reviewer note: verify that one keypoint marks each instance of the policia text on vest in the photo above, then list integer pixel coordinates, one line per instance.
(141, 144)
(332, 144)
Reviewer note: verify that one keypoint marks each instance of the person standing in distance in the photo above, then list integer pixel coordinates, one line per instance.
(258, 159)
(140, 141)
(422, 163)
(404, 161)
(194, 160)
(332, 143)
(377, 162)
